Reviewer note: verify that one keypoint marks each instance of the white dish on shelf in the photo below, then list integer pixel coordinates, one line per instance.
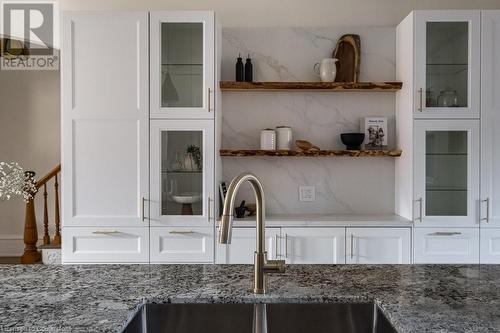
(187, 197)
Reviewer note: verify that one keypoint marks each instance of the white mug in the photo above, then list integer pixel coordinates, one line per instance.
(267, 139)
(326, 69)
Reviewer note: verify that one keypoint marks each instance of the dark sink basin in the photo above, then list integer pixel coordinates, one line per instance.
(261, 318)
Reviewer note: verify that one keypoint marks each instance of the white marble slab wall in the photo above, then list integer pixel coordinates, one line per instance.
(343, 185)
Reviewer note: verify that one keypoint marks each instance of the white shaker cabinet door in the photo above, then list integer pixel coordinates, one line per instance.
(242, 247)
(104, 87)
(378, 245)
(490, 246)
(490, 120)
(313, 245)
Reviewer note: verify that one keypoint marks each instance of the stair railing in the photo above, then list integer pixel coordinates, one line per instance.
(31, 254)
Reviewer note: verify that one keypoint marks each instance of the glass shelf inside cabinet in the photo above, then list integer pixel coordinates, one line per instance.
(181, 64)
(447, 64)
(446, 173)
(182, 172)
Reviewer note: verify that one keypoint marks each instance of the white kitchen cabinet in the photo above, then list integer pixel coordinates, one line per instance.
(313, 245)
(490, 246)
(105, 245)
(490, 120)
(182, 245)
(182, 64)
(446, 245)
(446, 173)
(242, 247)
(182, 181)
(105, 119)
(378, 245)
(447, 63)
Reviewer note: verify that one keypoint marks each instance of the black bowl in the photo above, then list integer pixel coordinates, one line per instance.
(352, 141)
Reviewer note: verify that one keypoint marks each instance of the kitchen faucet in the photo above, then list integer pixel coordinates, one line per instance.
(262, 266)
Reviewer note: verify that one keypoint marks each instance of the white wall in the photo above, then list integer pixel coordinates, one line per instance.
(29, 110)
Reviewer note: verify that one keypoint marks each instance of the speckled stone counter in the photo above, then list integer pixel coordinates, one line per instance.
(421, 298)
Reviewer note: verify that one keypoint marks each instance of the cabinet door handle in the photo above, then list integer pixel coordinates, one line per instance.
(143, 200)
(286, 245)
(419, 218)
(352, 246)
(487, 218)
(209, 209)
(177, 232)
(443, 233)
(276, 246)
(99, 232)
(420, 93)
(208, 102)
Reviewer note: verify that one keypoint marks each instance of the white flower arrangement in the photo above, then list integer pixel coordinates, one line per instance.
(14, 182)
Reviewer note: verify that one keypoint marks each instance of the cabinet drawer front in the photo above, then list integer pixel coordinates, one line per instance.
(105, 245)
(242, 247)
(182, 245)
(458, 245)
(490, 246)
(378, 246)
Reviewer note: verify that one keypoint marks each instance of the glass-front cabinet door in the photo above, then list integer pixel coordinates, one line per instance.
(446, 173)
(182, 172)
(447, 64)
(182, 53)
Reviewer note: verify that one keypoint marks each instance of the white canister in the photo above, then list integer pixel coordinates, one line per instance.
(284, 137)
(267, 139)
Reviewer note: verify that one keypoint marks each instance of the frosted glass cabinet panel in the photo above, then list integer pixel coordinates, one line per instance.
(182, 64)
(446, 173)
(182, 158)
(447, 56)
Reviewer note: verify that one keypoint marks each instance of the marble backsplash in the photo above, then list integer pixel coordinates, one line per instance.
(343, 185)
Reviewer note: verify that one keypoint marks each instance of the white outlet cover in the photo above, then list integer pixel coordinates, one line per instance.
(307, 193)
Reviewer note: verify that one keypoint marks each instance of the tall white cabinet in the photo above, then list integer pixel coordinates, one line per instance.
(139, 136)
(105, 122)
(445, 118)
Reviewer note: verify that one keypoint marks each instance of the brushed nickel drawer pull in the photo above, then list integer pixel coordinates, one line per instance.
(143, 200)
(209, 93)
(105, 232)
(276, 246)
(286, 245)
(352, 246)
(419, 218)
(420, 92)
(443, 233)
(209, 208)
(181, 232)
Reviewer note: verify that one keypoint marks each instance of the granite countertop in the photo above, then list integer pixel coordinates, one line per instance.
(101, 298)
(327, 220)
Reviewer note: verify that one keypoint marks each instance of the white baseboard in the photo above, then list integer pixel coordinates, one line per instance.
(12, 245)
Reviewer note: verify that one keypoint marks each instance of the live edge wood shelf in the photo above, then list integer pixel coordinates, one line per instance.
(311, 153)
(310, 86)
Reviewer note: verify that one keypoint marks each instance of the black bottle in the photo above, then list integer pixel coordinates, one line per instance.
(239, 69)
(248, 70)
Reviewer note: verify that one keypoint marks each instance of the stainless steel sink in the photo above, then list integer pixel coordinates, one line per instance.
(260, 318)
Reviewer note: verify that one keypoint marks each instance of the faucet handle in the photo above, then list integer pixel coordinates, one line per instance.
(274, 266)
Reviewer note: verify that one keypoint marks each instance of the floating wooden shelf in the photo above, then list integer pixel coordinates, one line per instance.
(312, 86)
(311, 153)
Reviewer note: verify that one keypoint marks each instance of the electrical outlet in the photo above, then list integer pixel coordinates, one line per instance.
(307, 193)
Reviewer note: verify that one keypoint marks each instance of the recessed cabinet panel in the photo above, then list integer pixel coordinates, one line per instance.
(182, 176)
(182, 66)
(490, 246)
(242, 247)
(182, 245)
(446, 245)
(447, 65)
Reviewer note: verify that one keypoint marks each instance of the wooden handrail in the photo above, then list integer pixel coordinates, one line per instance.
(48, 176)
(31, 254)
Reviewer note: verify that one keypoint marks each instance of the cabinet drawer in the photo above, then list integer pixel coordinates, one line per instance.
(242, 247)
(447, 246)
(182, 245)
(105, 245)
(378, 246)
(490, 246)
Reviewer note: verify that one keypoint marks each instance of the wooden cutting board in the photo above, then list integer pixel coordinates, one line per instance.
(348, 51)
